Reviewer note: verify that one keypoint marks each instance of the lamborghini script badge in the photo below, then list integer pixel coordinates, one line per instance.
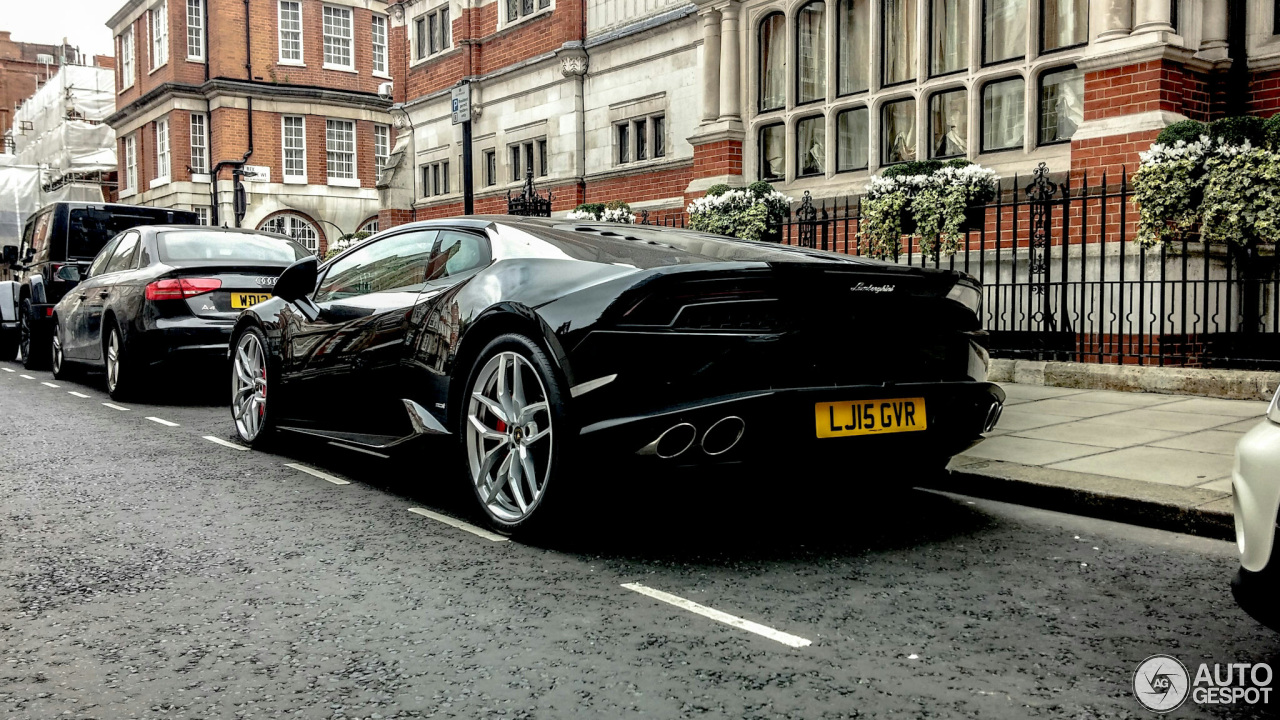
(864, 287)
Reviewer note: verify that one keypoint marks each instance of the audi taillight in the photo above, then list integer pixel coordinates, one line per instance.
(181, 288)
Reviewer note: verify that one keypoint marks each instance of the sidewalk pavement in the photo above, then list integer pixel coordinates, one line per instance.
(1158, 460)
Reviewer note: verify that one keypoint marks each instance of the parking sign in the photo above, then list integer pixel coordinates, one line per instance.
(461, 97)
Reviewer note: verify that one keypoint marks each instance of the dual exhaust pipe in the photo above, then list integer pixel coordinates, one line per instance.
(720, 438)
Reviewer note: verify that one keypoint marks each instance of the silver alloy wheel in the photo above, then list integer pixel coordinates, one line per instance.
(56, 352)
(113, 359)
(249, 387)
(509, 437)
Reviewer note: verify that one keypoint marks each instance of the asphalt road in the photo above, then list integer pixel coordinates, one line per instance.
(148, 572)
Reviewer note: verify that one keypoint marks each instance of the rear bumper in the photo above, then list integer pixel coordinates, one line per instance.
(781, 425)
(184, 340)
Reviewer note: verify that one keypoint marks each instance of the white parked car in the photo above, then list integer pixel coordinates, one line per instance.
(1255, 484)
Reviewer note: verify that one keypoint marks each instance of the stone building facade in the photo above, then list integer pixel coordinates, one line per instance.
(280, 95)
(653, 101)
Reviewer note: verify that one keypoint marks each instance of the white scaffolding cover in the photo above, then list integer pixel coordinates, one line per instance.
(19, 197)
(62, 127)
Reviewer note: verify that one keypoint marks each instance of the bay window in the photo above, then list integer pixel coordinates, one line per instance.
(949, 36)
(900, 41)
(811, 47)
(1003, 105)
(1004, 30)
(773, 152)
(773, 62)
(949, 124)
(853, 46)
(811, 146)
(898, 132)
(1064, 23)
(1061, 104)
(851, 140)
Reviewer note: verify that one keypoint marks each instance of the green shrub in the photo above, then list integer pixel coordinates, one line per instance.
(1238, 130)
(915, 167)
(1272, 126)
(958, 163)
(718, 190)
(760, 188)
(1188, 131)
(595, 209)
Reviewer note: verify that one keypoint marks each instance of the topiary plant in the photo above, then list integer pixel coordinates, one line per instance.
(1272, 126)
(958, 163)
(915, 167)
(1188, 131)
(717, 190)
(1239, 130)
(760, 188)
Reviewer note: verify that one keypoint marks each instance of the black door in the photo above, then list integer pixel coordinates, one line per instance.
(333, 365)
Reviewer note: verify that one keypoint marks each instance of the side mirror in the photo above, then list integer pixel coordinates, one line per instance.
(10, 256)
(298, 280)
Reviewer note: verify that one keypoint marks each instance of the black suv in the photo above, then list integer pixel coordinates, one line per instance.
(58, 244)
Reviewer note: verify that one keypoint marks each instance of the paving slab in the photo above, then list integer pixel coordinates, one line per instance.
(1157, 418)
(1127, 398)
(1214, 406)
(1208, 441)
(1241, 426)
(1015, 418)
(1222, 485)
(1099, 435)
(1184, 468)
(1028, 451)
(1036, 392)
(1072, 408)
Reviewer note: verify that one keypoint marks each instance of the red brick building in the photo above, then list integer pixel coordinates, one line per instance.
(282, 94)
(652, 101)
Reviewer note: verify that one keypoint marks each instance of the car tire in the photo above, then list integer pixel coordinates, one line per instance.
(8, 345)
(121, 373)
(253, 373)
(35, 349)
(57, 358)
(499, 455)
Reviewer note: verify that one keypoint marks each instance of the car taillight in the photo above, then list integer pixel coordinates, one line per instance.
(181, 288)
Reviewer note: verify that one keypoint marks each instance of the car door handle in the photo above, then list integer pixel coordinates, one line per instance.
(83, 296)
(103, 294)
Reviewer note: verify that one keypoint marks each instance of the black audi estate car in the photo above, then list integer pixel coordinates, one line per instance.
(545, 349)
(164, 294)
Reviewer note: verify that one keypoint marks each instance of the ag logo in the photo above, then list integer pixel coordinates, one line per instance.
(1161, 683)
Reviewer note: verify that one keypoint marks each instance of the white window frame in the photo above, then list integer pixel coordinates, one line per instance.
(328, 11)
(200, 143)
(128, 52)
(130, 167)
(158, 33)
(419, 53)
(340, 180)
(380, 21)
(505, 21)
(280, 31)
(195, 30)
(292, 178)
(295, 227)
(381, 146)
(164, 154)
(202, 213)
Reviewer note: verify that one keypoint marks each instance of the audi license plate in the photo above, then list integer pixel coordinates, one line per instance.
(245, 300)
(870, 417)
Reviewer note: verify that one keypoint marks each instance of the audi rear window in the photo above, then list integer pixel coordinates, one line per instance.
(204, 246)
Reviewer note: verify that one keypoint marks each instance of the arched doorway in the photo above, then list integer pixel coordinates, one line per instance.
(300, 229)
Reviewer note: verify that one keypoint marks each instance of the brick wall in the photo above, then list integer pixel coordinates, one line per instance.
(717, 158)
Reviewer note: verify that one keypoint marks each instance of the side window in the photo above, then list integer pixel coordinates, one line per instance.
(99, 265)
(122, 258)
(396, 263)
(40, 235)
(458, 252)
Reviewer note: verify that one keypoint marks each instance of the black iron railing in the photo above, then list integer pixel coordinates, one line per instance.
(1063, 279)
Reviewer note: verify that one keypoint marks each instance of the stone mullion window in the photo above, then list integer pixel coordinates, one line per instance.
(948, 36)
(773, 152)
(852, 140)
(853, 46)
(1061, 105)
(1004, 115)
(772, 50)
(811, 52)
(1065, 24)
(1004, 30)
(949, 124)
(900, 42)
(811, 146)
(898, 131)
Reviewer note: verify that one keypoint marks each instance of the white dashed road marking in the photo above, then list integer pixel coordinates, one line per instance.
(344, 446)
(79, 395)
(162, 421)
(316, 473)
(116, 407)
(454, 522)
(7, 369)
(48, 385)
(27, 377)
(224, 443)
(727, 619)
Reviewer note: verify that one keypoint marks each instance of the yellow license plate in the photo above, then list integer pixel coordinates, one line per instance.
(870, 417)
(244, 300)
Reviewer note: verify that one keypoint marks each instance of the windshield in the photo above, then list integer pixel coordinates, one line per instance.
(91, 229)
(204, 245)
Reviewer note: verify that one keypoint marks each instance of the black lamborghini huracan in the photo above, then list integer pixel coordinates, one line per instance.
(534, 343)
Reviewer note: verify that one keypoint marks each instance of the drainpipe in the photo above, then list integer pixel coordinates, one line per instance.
(208, 119)
(1238, 74)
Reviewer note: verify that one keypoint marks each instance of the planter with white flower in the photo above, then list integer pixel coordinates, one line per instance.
(614, 211)
(337, 247)
(938, 202)
(756, 212)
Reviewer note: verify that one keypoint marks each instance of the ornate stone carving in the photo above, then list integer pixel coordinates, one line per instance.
(573, 59)
(397, 12)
